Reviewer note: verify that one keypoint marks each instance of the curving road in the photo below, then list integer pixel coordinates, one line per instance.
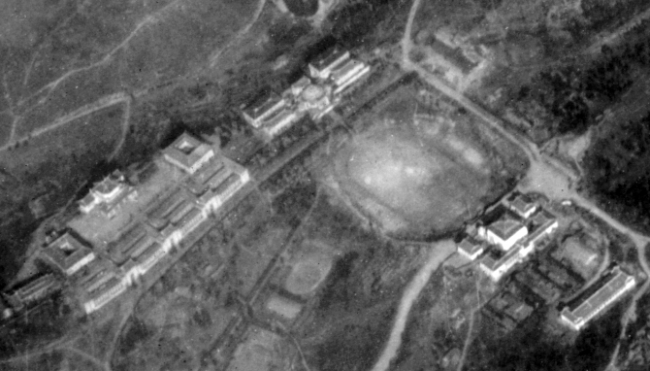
(439, 252)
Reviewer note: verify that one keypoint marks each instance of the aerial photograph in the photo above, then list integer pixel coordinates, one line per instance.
(325, 185)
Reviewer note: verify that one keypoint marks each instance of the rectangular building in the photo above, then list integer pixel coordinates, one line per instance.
(68, 254)
(188, 153)
(279, 122)
(323, 67)
(109, 291)
(521, 204)
(470, 247)
(34, 290)
(120, 250)
(257, 112)
(347, 74)
(497, 263)
(612, 288)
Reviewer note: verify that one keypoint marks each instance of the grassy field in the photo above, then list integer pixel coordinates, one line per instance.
(61, 153)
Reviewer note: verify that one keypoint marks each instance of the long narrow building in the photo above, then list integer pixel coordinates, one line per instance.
(611, 289)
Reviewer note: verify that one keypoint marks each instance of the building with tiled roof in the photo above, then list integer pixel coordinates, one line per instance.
(149, 257)
(280, 121)
(470, 247)
(34, 290)
(497, 263)
(260, 110)
(347, 74)
(521, 204)
(104, 294)
(188, 153)
(68, 254)
(616, 284)
(321, 68)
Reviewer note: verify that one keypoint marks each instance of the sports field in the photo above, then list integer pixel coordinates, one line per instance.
(417, 176)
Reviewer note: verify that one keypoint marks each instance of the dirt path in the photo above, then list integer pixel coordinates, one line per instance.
(214, 58)
(439, 252)
(613, 36)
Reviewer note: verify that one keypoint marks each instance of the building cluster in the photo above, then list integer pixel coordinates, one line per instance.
(508, 234)
(123, 230)
(314, 94)
(508, 309)
(609, 289)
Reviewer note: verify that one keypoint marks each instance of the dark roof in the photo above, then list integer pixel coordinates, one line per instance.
(121, 249)
(163, 208)
(208, 171)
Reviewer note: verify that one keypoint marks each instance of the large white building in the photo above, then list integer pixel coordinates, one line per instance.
(175, 212)
(612, 288)
(504, 232)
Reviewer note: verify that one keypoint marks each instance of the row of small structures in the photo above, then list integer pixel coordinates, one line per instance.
(509, 234)
(128, 223)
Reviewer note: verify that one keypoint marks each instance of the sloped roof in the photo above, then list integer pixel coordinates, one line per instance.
(505, 227)
(187, 150)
